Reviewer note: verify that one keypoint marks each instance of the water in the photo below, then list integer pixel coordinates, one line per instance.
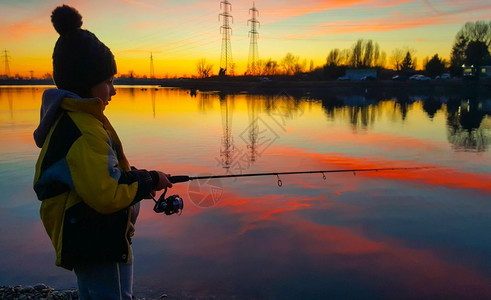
(386, 235)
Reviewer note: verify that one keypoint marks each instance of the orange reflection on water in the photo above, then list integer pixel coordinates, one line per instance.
(419, 272)
(269, 230)
(431, 174)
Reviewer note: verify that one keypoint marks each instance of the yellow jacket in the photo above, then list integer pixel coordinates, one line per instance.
(89, 193)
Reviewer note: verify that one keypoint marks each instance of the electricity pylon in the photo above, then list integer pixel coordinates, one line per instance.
(252, 66)
(226, 63)
(152, 72)
(6, 59)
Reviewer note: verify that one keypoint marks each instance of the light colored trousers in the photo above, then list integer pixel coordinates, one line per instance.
(105, 281)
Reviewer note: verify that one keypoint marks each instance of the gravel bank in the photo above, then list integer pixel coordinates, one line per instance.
(41, 292)
(37, 292)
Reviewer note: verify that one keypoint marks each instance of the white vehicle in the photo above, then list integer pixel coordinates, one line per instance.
(419, 77)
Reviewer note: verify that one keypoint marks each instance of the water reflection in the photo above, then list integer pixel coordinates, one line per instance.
(431, 106)
(227, 151)
(467, 120)
(468, 125)
(253, 133)
(414, 235)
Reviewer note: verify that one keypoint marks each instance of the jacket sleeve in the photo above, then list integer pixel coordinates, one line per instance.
(98, 180)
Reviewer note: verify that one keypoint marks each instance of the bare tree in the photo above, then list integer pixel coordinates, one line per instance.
(397, 57)
(357, 54)
(300, 67)
(204, 69)
(334, 58)
(364, 54)
(47, 76)
(381, 61)
(477, 31)
(271, 67)
(259, 68)
(376, 55)
(289, 63)
(368, 54)
(345, 57)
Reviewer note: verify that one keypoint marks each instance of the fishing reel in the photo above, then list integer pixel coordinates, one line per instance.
(170, 205)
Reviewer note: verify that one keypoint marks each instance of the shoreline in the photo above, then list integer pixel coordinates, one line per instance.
(41, 291)
(38, 291)
(295, 87)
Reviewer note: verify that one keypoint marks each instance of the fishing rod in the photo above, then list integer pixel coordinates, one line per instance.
(185, 178)
(174, 204)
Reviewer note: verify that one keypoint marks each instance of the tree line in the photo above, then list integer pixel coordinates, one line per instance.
(471, 48)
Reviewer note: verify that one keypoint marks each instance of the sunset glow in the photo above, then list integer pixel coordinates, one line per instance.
(179, 33)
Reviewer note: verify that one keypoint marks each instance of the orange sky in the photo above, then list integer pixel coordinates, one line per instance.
(179, 33)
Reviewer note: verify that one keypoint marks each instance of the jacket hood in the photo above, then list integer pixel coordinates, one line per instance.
(50, 109)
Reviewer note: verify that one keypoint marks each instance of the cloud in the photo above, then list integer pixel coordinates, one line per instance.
(396, 21)
(140, 3)
(286, 9)
(27, 26)
(22, 30)
(391, 23)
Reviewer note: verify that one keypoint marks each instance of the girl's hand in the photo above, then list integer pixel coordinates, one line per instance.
(163, 181)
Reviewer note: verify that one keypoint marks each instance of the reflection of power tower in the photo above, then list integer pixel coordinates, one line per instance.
(152, 72)
(6, 59)
(227, 149)
(252, 108)
(226, 63)
(252, 67)
(152, 93)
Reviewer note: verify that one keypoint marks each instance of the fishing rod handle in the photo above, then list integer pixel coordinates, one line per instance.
(178, 178)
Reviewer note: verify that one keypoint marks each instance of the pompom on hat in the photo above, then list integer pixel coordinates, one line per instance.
(80, 60)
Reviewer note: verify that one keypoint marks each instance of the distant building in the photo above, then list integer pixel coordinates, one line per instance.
(468, 70)
(484, 71)
(358, 74)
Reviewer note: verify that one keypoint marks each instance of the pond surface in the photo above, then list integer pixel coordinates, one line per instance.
(411, 234)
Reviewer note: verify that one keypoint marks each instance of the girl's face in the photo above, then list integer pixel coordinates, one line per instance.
(104, 90)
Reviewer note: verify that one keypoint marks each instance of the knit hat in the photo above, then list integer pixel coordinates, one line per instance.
(80, 60)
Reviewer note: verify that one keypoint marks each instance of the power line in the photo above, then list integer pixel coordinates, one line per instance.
(151, 39)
